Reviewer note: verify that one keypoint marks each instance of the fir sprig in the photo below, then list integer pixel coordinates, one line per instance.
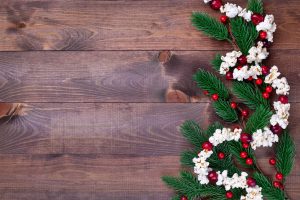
(256, 6)
(193, 133)
(223, 109)
(212, 128)
(186, 158)
(259, 119)
(250, 95)
(244, 34)
(189, 186)
(216, 62)
(268, 191)
(210, 26)
(209, 82)
(285, 154)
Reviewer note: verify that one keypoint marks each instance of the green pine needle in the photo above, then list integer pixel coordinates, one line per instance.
(244, 33)
(250, 95)
(216, 62)
(236, 148)
(258, 120)
(224, 111)
(256, 6)
(177, 197)
(268, 191)
(285, 154)
(212, 128)
(208, 81)
(210, 26)
(193, 133)
(186, 158)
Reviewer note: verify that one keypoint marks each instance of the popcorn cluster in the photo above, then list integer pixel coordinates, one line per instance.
(202, 168)
(282, 114)
(263, 138)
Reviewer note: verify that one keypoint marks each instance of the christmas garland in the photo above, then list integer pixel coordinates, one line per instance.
(220, 152)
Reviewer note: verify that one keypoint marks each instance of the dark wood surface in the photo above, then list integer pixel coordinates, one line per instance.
(104, 108)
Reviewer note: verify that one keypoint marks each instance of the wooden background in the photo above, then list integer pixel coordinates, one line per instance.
(107, 84)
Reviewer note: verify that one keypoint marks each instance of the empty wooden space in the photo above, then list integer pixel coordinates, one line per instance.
(106, 86)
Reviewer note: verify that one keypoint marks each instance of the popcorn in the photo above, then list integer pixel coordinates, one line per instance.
(231, 10)
(241, 74)
(246, 14)
(257, 54)
(268, 25)
(281, 85)
(272, 75)
(263, 138)
(282, 114)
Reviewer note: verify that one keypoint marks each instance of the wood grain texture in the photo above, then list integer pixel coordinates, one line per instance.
(116, 76)
(103, 150)
(123, 25)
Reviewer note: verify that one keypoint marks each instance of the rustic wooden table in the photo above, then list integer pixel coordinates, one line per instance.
(108, 83)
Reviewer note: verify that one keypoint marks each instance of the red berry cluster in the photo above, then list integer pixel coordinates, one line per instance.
(246, 138)
(278, 176)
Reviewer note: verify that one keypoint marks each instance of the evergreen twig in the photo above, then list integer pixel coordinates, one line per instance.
(209, 26)
(256, 6)
(208, 81)
(193, 133)
(258, 120)
(216, 62)
(224, 111)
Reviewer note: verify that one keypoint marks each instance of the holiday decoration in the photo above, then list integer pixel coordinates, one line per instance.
(261, 123)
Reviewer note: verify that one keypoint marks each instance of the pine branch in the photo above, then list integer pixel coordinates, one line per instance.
(208, 81)
(250, 95)
(236, 148)
(256, 6)
(268, 191)
(224, 164)
(244, 33)
(177, 197)
(193, 133)
(188, 185)
(285, 154)
(186, 158)
(216, 62)
(258, 120)
(224, 111)
(209, 26)
(212, 128)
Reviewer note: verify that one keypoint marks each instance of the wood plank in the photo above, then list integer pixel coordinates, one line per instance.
(123, 25)
(116, 76)
(74, 177)
(139, 129)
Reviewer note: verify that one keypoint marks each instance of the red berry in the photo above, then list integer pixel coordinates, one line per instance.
(216, 4)
(257, 18)
(276, 184)
(212, 176)
(183, 198)
(276, 129)
(229, 195)
(221, 155)
(266, 43)
(244, 154)
(246, 145)
(266, 95)
(251, 182)
(279, 176)
(265, 70)
(269, 89)
(245, 113)
(242, 60)
(239, 67)
(207, 146)
(229, 76)
(250, 78)
(249, 161)
(272, 161)
(245, 138)
(224, 19)
(283, 99)
(233, 105)
(215, 97)
(205, 92)
(263, 35)
(259, 81)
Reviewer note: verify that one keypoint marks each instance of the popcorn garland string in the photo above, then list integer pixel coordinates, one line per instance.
(244, 68)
